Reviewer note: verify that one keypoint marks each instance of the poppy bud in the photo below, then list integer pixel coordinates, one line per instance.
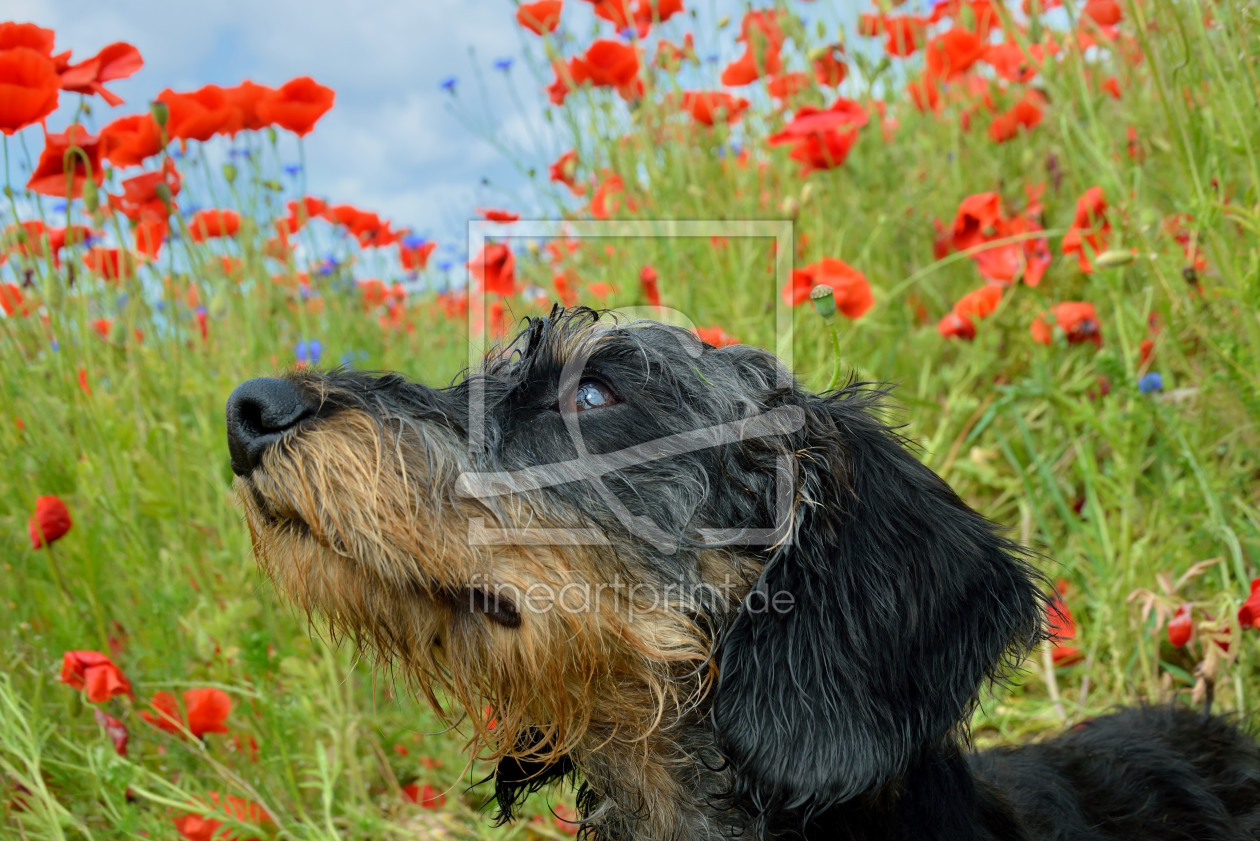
(271, 135)
(229, 172)
(823, 298)
(1114, 259)
(91, 196)
(161, 113)
(163, 192)
(807, 192)
(790, 207)
(724, 21)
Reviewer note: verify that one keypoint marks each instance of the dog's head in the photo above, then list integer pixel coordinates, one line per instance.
(613, 529)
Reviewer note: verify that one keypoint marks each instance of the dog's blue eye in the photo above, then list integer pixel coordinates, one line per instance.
(592, 395)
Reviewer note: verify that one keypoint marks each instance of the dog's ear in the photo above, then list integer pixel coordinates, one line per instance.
(867, 638)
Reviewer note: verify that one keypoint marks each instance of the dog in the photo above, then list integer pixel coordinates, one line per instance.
(719, 604)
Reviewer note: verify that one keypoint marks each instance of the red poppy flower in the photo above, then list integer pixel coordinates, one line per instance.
(787, 85)
(149, 195)
(1089, 227)
(957, 327)
(1077, 319)
(1061, 627)
(244, 100)
(37, 38)
(978, 219)
(1249, 613)
(492, 215)
(616, 12)
(564, 170)
(117, 61)
(979, 303)
(115, 729)
(604, 202)
(649, 12)
(129, 141)
(425, 796)
(715, 336)
(11, 299)
(29, 87)
(95, 674)
(149, 232)
(670, 56)
(1112, 86)
(110, 263)
(200, 114)
(952, 53)
(415, 259)
(1180, 626)
(903, 35)
(925, 93)
(609, 64)
(559, 89)
(852, 291)
(207, 710)
(648, 278)
(495, 267)
(1026, 113)
(297, 105)
(168, 717)
(818, 137)
(1013, 64)
(829, 66)
(201, 826)
(51, 177)
(1103, 12)
(50, 522)
(207, 224)
(540, 17)
(707, 107)
(763, 40)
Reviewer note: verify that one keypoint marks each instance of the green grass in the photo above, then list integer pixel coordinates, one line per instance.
(1116, 491)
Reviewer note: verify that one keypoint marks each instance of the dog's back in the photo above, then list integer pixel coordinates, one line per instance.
(1142, 773)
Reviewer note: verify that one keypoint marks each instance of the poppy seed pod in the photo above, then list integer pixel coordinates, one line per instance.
(824, 299)
(161, 113)
(1114, 259)
(229, 173)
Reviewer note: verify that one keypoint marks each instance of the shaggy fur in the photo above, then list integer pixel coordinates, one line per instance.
(599, 596)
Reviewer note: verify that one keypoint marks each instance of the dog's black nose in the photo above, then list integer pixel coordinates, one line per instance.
(258, 413)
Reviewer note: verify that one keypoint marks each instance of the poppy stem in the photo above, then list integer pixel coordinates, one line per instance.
(56, 573)
(837, 361)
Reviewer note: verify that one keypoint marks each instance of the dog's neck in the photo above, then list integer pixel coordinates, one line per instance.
(676, 787)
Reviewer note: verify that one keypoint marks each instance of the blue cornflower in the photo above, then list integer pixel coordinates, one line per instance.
(713, 58)
(448, 84)
(292, 169)
(504, 64)
(56, 345)
(413, 241)
(309, 350)
(59, 207)
(445, 265)
(1154, 381)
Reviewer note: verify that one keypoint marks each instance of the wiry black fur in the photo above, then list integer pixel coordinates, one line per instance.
(845, 717)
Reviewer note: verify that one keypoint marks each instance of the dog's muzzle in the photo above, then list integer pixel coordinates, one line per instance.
(259, 412)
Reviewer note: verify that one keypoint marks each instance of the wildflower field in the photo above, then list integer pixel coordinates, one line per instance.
(1041, 220)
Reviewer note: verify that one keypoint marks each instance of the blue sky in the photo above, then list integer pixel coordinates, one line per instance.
(395, 142)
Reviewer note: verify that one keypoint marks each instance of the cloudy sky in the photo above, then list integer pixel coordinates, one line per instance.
(395, 142)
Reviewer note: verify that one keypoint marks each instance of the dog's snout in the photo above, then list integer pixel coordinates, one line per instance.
(259, 412)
